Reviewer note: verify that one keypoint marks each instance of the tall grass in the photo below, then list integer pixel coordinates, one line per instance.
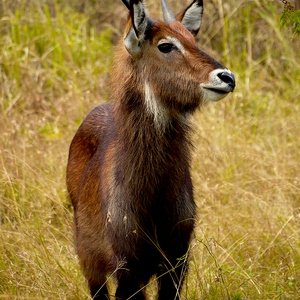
(54, 63)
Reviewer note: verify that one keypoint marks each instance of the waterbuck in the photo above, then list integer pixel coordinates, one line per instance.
(128, 172)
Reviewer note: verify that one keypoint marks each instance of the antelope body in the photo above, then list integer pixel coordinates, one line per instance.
(128, 172)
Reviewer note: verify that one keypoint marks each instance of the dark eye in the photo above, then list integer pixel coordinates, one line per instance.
(165, 47)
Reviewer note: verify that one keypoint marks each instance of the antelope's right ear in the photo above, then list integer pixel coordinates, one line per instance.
(135, 34)
(191, 17)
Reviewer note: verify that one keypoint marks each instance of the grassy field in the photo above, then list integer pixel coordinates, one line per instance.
(54, 65)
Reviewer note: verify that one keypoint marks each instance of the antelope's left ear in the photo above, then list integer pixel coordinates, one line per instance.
(135, 35)
(191, 17)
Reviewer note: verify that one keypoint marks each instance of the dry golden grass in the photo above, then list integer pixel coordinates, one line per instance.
(53, 70)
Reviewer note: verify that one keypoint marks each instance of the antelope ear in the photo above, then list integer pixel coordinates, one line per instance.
(191, 17)
(135, 35)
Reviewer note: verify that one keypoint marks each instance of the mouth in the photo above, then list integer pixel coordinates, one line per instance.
(218, 91)
(221, 82)
(215, 93)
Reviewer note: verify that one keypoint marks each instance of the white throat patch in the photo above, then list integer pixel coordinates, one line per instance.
(155, 108)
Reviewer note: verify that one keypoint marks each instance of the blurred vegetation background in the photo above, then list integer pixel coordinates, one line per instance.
(54, 65)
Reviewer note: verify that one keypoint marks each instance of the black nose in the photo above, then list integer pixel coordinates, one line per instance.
(228, 78)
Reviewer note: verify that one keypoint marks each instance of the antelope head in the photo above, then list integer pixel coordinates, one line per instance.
(176, 75)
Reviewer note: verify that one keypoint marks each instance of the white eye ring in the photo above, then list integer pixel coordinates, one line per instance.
(174, 41)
